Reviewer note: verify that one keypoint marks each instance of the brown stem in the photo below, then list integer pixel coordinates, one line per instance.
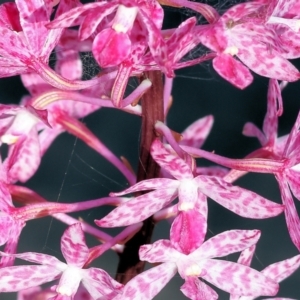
(152, 105)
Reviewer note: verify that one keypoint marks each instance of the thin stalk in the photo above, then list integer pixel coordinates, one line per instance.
(152, 111)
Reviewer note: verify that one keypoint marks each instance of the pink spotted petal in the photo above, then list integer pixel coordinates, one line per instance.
(149, 184)
(99, 283)
(149, 283)
(9, 67)
(159, 251)
(293, 178)
(12, 46)
(196, 133)
(291, 143)
(169, 161)
(10, 17)
(110, 48)
(241, 201)
(138, 209)
(291, 214)
(26, 156)
(7, 224)
(238, 279)
(12, 244)
(18, 278)
(181, 41)
(5, 197)
(246, 256)
(226, 243)
(195, 289)
(283, 269)
(270, 122)
(91, 22)
(34, 14)
(39, 258)
(188, 231)
(269, 64)
(74, 16)
(232, 70)
(73, 246)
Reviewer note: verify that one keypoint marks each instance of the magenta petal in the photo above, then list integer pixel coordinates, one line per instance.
(176, 166)
(14, 279)
(110, 48)
(283, 269)
(99, 283)
(73, 246)
(27, 157)
(197, 132)
(241, 201)
(238, 279)
(138, 209)
(149, 283)
(246, 256)
(271, 119)
(195, 289)
(6, 225)
(232, 70)
(294, 182)
(39, 258)
(159, 251)
(291, 214)
(226, 243)
(269, 63)
(188, 231)
(149, 184)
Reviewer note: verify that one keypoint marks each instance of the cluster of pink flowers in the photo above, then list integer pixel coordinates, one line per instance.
(126, 40)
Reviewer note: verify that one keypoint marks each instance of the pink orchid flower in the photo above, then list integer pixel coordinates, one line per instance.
(283, 163)
(238, 34)
(73, 246)
(229, 276)
(26, 44)
(187, 188)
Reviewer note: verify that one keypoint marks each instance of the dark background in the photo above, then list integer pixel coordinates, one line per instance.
(70, 171)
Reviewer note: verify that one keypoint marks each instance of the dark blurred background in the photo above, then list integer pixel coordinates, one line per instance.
(70, 171)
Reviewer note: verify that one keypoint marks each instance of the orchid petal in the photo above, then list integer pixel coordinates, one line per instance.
(241, 201)
(238, 279)
(176, 166)
(22, 277)
(138, 209)
(73, 246)
(232, 70)
(148, 284)
(195, 289)
(149, 184)
(226, 243)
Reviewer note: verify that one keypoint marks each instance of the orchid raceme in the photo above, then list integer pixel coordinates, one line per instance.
(231, 277)
(78, 58)
(97, 282)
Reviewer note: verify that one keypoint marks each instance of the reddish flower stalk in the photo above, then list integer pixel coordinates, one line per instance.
(153, 111)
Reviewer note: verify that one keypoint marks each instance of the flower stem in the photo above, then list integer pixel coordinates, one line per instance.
(152, 111)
